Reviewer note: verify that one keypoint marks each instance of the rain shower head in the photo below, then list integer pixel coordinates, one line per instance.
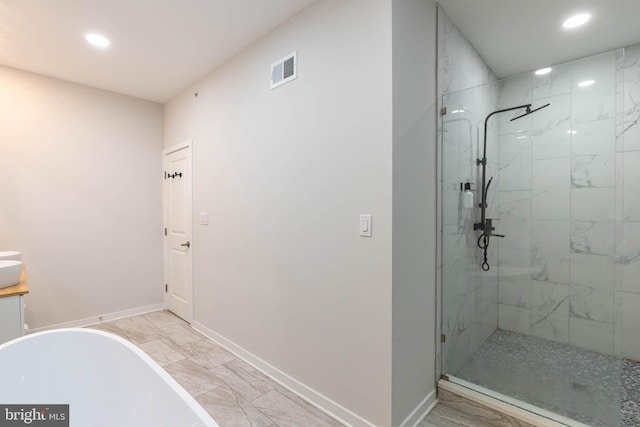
(529, 111)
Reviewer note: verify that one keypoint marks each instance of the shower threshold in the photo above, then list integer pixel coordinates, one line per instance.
(515, 408)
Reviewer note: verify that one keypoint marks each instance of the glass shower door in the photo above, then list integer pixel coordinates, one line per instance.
(469, 296)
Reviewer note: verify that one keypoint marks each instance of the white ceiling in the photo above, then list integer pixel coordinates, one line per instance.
(161, 46)
(158, 47)
(515, 36)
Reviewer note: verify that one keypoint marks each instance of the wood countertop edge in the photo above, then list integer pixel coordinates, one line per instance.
(19, 289)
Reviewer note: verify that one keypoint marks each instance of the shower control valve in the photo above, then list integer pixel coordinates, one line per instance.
(489, 227)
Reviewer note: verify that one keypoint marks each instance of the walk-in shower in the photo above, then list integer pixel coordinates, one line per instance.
(547, 316)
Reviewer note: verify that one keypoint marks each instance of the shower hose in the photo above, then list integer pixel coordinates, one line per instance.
(483, 243)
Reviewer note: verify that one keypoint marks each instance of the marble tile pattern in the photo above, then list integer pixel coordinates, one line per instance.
(620, 89)
(233, 392)
(568, 200)
(550, 251)
(469, 296)
(550, 310)
(593, 237)
(592, 287)
(514, 276)
(592, 335)
(459, 65)
(551, 128)
(555, 83)
(514, 157)
(550, 189)
(569, 195)
(598, 100)
(515, 220)
(631, 177)
(630, 128)
(593, 148)
(629, 325)
(514, 91)
(628, 259)
(593, 204)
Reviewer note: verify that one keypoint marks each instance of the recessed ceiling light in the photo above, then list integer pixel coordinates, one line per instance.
(586, 83)
(576, 20)
(543, 71)
(97, 40)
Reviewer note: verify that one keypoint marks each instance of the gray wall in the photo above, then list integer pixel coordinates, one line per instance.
(281, 271)
(81, 197)
(414, 210)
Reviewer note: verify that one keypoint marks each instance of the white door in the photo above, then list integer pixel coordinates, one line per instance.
(178, 233)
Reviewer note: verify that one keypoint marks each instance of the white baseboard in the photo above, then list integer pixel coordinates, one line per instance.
(305, 392)
(99, 319)
(421, 411)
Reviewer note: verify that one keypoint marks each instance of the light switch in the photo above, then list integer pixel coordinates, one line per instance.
(204, 218)
(365, 225)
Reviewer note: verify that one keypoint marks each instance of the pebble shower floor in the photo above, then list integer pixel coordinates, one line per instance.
(596, 389)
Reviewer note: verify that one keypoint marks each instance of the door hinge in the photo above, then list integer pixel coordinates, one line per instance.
(165, 231)
(443, 338)
(165, 174)
(166, 287)
(443, 111)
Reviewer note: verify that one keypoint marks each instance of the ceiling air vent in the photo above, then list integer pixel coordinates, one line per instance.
(284, 70)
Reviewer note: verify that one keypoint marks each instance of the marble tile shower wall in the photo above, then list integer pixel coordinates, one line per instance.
(569, 204)
(469, 299)
(470, 296)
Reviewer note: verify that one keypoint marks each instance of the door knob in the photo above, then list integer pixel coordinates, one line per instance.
(188, 244)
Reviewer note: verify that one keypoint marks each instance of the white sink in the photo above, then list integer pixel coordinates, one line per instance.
(10, 272)
(10, 255)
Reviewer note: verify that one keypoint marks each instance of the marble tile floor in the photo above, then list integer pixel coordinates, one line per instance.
(596, 389)
(233, 392)
(238, 395)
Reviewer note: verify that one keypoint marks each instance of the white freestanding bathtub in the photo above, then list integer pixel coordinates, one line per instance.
(105, 380)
